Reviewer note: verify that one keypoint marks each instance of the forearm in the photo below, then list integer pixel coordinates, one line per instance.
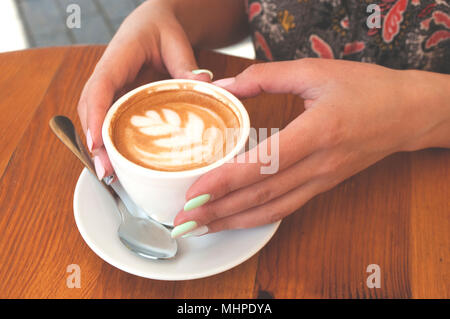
(430, 97)
(210, 23)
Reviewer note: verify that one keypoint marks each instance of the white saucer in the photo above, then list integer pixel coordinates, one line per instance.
(197, 257)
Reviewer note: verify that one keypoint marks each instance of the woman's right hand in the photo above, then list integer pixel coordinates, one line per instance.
(149, 35)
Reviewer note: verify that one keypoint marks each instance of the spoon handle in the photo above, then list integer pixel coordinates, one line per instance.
(64, 129)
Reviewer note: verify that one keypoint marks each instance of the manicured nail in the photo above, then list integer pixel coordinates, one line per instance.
(109, 179)
(200, 71)
(183, 229)
(197, 232)
(89, 140)
(197, 202)
(99, 169)
(224, 82)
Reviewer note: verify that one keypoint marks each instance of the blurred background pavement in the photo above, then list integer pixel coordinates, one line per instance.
(40, 23)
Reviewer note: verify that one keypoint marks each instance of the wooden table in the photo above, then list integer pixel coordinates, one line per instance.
(396, 214)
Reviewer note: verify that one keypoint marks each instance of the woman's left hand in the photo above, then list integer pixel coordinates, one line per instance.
(355, 115)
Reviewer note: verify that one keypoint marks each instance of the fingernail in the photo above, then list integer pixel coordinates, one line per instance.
(109, 179)
(183, 229)
(99, 169)
(89, 140)
(224, 82)
(197, 232)
(200, 71)
(197, 202)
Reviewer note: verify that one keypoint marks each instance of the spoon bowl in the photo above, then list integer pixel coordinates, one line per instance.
(147, 239)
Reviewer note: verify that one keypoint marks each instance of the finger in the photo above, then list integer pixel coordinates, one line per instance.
(119, 65)
(82, 109)
(256, 194)
(272, 211)
(103, 167)
(178, 55)
(298, 140)
(96, 101)
(302, 77)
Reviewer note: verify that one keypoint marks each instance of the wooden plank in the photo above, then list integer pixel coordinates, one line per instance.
(429, 254)
(323, 250)
(23, 82)
(39, 231)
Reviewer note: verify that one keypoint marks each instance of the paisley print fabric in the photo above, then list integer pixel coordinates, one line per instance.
(411, 34)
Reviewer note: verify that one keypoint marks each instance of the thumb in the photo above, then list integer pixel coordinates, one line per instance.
(299, 77)
(178, 57)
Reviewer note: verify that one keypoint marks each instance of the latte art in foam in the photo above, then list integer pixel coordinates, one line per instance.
(175, 131)
(188, 140)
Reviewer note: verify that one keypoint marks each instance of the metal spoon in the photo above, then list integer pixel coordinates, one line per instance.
(143, 236)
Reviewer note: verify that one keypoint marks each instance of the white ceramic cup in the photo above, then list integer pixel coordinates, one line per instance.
(161, 194)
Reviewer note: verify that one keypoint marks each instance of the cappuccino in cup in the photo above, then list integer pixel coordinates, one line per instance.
(163, 136)
(174, 130)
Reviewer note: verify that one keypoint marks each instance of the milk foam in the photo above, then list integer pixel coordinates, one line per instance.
(174, 130)
(179, 140)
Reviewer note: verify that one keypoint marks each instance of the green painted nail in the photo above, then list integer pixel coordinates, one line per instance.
(197, 202)
(183, 229)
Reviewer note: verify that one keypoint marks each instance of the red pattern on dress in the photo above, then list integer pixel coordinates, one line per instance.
(253, 10)
(320, 47)
(392, 21)
(436, 38)
(354, 47)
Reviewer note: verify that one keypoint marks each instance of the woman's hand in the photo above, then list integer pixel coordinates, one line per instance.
(150, 35)
(355, 115)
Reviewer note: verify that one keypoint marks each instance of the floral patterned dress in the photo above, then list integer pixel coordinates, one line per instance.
(400, 34)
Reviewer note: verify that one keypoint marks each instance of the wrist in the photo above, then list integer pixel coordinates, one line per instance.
(428, 95)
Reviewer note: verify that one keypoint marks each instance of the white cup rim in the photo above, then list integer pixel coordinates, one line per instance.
(144, 171)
